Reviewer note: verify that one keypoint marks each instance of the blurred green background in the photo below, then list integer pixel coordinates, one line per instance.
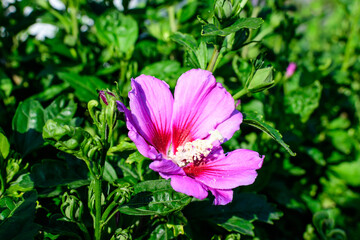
(67, 49)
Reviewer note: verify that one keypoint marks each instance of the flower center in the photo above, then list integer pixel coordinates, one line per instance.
(195, 151)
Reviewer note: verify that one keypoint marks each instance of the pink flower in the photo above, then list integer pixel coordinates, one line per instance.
(290, 70)
(182, 134)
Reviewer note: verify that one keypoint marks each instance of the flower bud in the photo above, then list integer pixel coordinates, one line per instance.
(104, 95)
(290, 70)
(72, 207)
(227, 9)
(262, 79)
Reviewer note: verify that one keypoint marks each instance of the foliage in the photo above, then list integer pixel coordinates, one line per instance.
(67, 166)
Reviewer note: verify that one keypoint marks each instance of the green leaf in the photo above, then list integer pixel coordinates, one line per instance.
(162, 232)
(73, 140)
(237, 215)
(237, 224)
(27, 125)
(109, 173)
(122, 146)
(168, 71)
(19, 224)
(188, 11)
(202, 55)
(60, 110)
(251, 23)
(262, 79)
(85, 86)
(256, 120)
(4, 145)
(304, 100)
(22, 184)
(155, 197)
(30, 118)
(6, 84)
(51, 173)
(348, 171)
(50, 92)
(185, 40)
(342, 140)
(198, 55)
(118, 30)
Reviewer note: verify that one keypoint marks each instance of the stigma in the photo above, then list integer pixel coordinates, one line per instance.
(195, 151)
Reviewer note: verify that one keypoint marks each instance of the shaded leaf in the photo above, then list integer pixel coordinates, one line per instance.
(155, 197)
(236, 216)
(19, 224)
(27, 125)
(51, 173)
(85, 86)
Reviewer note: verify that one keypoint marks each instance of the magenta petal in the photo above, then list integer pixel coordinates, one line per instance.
(228, 127)
(236, 169)
(144, 148)
(188, 186)
(166, 167)
(200, 105)
(222, 197)
(151, 104)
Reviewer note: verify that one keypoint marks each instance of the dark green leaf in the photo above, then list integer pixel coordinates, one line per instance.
(50, 92)
(27, 125)
(155, 197)
(19, 224)
(255, 120)
(251, 23)
(237, 224)
(162, 232)
(51, 173)
(236, 216)
(85, 86)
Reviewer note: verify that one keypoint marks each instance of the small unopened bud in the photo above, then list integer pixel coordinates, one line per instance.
(262, 79)
(290, 70)
(103, 96)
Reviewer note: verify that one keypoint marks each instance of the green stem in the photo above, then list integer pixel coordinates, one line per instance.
(172, 22)
(241, 93)
(108, 211)
(73, 12)
(110, 217)
(213, 59)
(351, 42)
(97, 224)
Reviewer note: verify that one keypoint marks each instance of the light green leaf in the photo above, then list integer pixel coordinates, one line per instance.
(251, 23)
(4, 145)
(185, 40)
(304, 100)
